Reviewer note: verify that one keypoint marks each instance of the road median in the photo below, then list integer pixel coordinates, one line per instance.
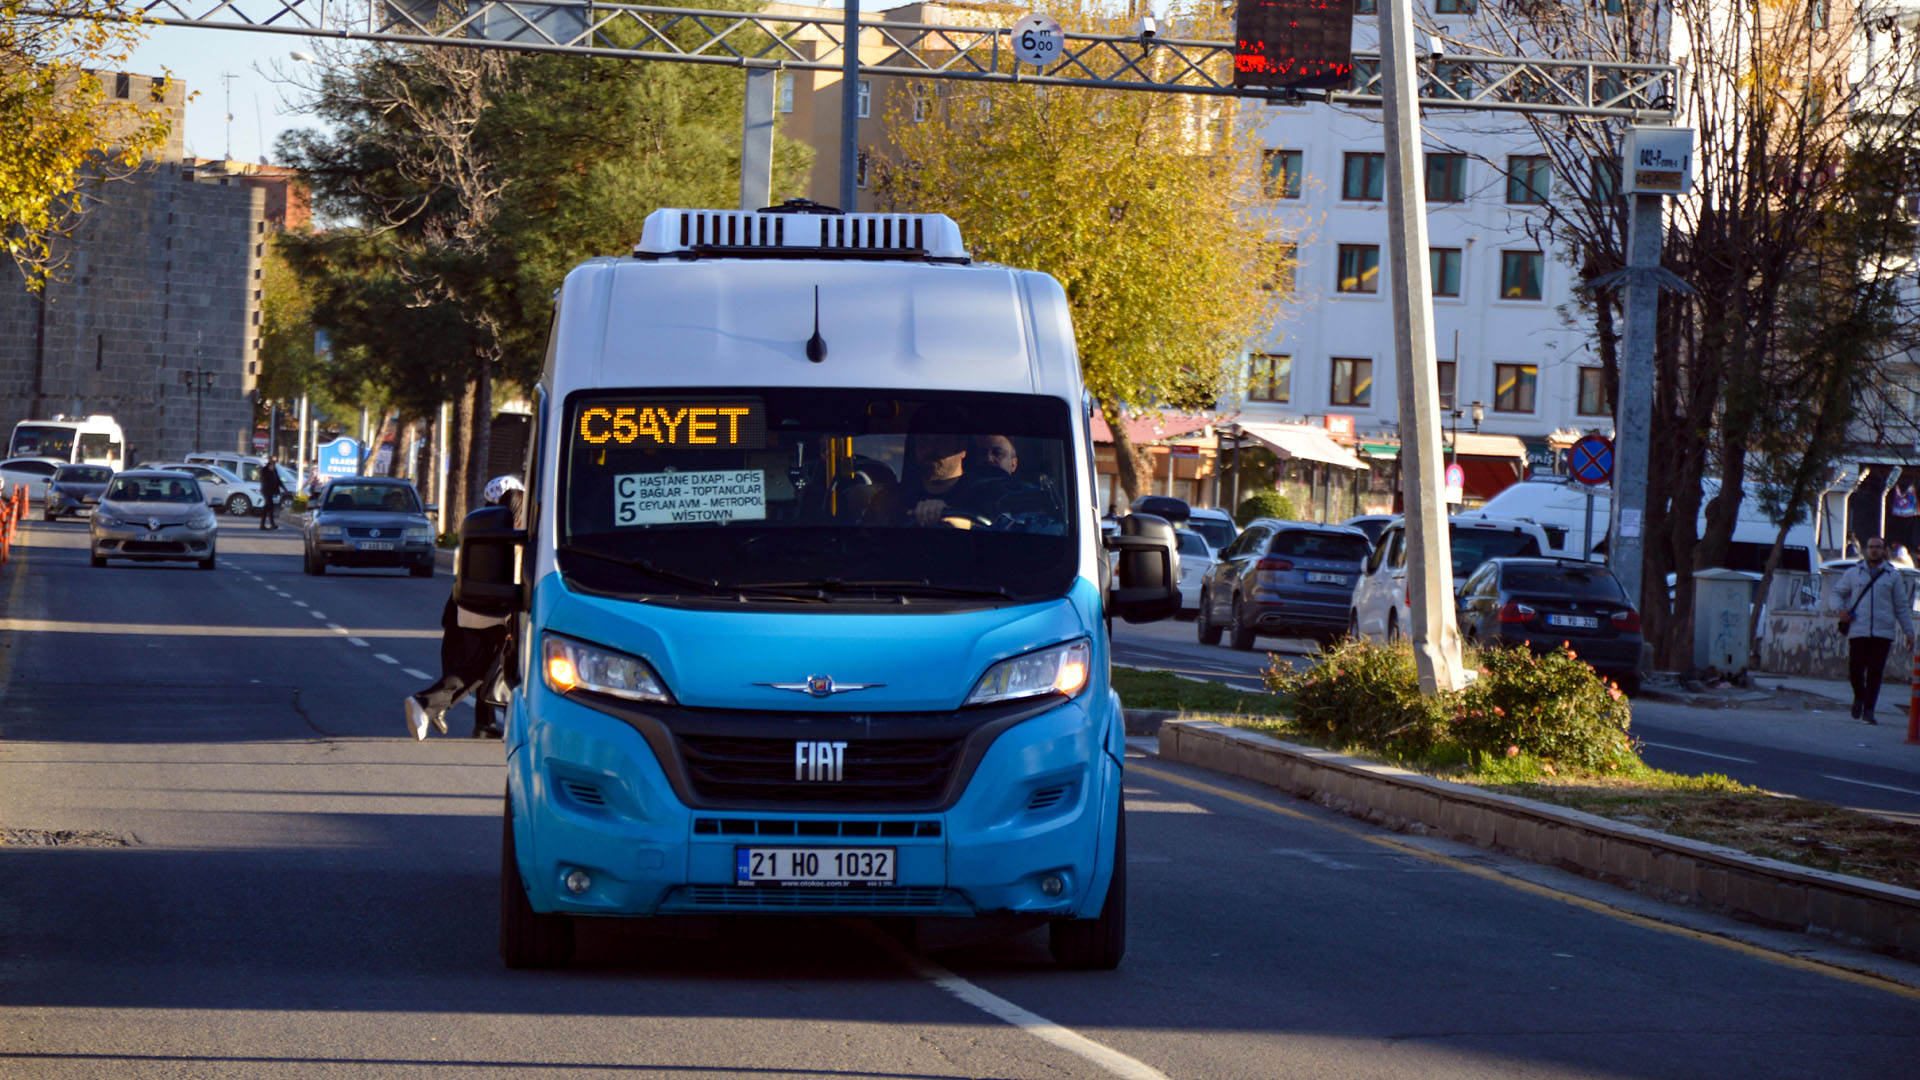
(1869, 914)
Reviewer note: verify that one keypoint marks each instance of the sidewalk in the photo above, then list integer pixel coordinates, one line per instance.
(1788, 712)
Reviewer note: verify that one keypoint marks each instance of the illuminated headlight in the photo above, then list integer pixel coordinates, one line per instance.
(101, 517)
(419, 535)
(200, 521)
(329, 532)
(572, 665)
(1059, 670)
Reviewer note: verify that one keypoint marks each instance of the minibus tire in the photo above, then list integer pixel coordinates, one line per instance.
(528, 939)
(1097, 944)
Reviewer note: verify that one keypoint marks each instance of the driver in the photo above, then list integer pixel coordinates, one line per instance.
(941, 485)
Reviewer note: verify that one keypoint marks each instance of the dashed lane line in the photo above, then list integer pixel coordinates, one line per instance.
(357, 641)
(384, 658)
(1869, 783)
(1702, 753)
(318, 614)
(300, 603)
(416, 673)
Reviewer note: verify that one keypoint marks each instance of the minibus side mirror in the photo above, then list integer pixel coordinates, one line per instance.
(483, 578)
(1147, 585)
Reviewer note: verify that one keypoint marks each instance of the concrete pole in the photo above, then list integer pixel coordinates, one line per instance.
(365, 442)
(756, 138)
(441, 463)
(850, 106)
(1633, 411)
(1435, 631)
(300, 451)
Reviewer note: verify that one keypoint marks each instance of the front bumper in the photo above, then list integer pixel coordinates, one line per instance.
(350, 552)
(1271, 613)
(141, 542)
(590, 793)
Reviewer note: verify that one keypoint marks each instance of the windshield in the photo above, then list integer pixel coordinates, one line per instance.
(165, 489)
(1595, 584)
(1471, 547)
(819, 493)
(83, 474)
(1218, 533)
(343, 495)
(1308, 544)
(1192, 543)
(42, 440)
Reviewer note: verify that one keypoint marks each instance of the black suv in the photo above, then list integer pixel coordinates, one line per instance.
(1284, 578)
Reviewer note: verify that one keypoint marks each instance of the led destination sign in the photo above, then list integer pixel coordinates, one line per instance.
(682, 425)
(1283, 44)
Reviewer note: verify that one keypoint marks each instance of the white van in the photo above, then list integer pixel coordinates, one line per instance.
(1559, 506)
(788, 643)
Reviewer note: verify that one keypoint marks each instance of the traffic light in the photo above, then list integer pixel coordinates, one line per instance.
(1292, 44)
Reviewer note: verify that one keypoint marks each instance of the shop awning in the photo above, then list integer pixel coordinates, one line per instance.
(1144, 430)
(1300, 441)
(1467, 444)
(1384, 451)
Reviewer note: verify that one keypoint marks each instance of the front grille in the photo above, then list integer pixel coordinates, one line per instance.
(883, 771)
(387, 532)
(879, 898)
(154, 547)
(707, 826)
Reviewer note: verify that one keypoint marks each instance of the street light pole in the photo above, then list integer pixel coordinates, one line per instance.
(197, 380)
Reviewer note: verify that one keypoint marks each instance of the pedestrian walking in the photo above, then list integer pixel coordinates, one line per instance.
(1874, 601)
(472, 647)
(270, 490)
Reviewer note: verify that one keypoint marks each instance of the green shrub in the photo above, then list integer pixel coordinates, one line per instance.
(1548, 710)
(1267, 504)
(448, 540)
(299, 504)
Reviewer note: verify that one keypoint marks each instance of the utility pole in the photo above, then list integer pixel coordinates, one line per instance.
(228, 78)
(850, 106)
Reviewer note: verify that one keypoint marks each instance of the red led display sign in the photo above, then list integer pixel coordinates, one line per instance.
(1293, 44)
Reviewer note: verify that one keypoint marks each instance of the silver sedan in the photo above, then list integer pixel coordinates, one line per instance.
(153, 514)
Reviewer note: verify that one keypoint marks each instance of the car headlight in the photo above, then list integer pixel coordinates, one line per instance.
(200, 521)
(1061, 669)
(329, 532)
(571, 665)
(101, 517)
(419, 535)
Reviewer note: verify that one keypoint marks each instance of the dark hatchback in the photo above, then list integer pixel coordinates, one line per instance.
(1283, 578)
(1541, 603)
(369, 521)
(75, 489)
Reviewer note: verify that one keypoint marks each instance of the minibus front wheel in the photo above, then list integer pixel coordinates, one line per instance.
(1097, 944)
(528, 939)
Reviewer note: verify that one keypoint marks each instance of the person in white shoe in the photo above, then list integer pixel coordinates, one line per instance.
(1873, 601)
(471, 648)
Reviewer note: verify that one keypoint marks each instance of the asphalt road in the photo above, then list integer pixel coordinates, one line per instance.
(263, 876)
(1822, 755)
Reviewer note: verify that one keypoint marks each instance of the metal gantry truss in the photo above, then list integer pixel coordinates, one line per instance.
(1590, 88)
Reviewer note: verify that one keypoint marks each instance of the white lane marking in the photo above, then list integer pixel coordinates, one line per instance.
(1702, 753)
(318, 614)
(336, 628)
(299, 603)
(1869, 783)
(1106, 1057)
(357, 641)
(384, 658)
(1318, 858)
(416, 673)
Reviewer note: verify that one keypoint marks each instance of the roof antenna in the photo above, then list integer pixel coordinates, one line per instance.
(816, 345)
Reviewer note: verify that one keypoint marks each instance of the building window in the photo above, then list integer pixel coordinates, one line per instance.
(1363, 176)
(1520, 275)
(1444, 266)
(1446, 377)
(157, 90)
(1614, 7)
(1594, 400)
(1282, 282)
(922, 102)
(1453, 80)
(863, 92)
(1453, 7)
(1282, 173)
(1446, 177)
(1270, 377)
(1606, 178)
(1513, 387)
(1528, 176)
(783, 97)
(1817, 14)
(1352, 381)
(860, 173)
(1359, 268)
(1366, 7)
(122, 85)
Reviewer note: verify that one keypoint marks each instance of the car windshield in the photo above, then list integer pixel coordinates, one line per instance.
(33, 440)
(1310, 544)
(393, 498)
(83, 474)
(167, 489)
(1192, 543)
(1595, 584)
(1471, 547)
(1218, 533)
(819, 493)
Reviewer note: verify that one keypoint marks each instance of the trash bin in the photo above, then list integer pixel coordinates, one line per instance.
(1722, 619)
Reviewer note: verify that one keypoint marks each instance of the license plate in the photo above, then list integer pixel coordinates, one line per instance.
(375, 545)
(813, 866)
(150, 536)
(1584, 622)
(1316, 576)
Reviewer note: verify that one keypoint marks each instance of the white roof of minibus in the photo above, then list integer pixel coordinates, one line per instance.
(746, 322)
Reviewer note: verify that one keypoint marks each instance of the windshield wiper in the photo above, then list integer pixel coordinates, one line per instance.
(920, 586)
(707, 585)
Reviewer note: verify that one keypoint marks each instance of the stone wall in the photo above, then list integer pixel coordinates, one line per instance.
(162, 281)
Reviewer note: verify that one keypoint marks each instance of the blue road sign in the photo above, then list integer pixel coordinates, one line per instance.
(1590, 460)
(341, 457)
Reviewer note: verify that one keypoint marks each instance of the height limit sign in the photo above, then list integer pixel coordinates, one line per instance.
(1292, 44)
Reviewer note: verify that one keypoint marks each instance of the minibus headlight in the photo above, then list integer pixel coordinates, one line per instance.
(1061, 669)
(570, 665)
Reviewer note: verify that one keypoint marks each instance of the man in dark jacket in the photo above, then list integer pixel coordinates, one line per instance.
(270, 490)
(1873, 601)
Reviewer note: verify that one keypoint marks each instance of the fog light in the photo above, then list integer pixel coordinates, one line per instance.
(1052, 885)
(579, 881)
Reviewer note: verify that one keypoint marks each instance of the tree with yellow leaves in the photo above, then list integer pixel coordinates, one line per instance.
(1143, 205)
(62, 131)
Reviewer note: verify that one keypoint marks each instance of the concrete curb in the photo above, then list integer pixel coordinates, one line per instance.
(1880, 917)
(443, 558)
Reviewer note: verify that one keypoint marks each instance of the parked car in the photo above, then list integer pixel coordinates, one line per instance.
(35, 472)
(1166, 506)
(1381, 600)
(224, 490)
(153, 514)
(1541, 603)
(1216, 525)
(247, 467)
(1371, 524)
(1195, 556)
(75, 490)
(369, 521)
(1284, 578)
